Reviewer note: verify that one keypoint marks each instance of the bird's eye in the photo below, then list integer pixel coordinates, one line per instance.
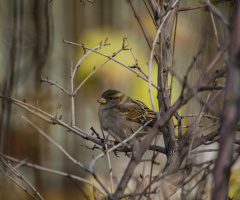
(110, 98)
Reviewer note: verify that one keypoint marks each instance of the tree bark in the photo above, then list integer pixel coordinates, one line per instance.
(230, 115)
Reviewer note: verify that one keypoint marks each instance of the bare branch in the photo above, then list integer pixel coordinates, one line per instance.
(16, 183)
(53, 171)
(95, 70)
(230, 113)
(216, 12)
(111, 57)
(152, 54)
(42, 80)
(20, 176)
(201, 6)
(86, 54)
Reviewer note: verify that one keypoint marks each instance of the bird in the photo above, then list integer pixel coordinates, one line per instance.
(121, 116)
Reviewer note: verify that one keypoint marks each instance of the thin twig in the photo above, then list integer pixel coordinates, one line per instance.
(51, 119)
(111, 57)
(200, 6)
(72, 96)
(52, 141)
(15, 182)
(95, 70)
(214, 27)
(140, 24)
(151, 170)
(205, 174)
(196, 115)
(207, 126)
(204, 151)
(86, 54)
(193, 127)
(110, 167)
(150, 13)
(136, 61)
(20, 176)
(42, 80)
(65, 152)
(184, 84)
(187, 181)
(216, 12)
(53, 171)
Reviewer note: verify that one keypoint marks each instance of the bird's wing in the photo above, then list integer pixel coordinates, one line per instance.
(138, 112)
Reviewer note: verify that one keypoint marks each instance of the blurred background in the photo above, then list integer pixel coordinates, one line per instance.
(31, 37)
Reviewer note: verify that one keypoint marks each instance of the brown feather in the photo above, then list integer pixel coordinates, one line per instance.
(121, 115)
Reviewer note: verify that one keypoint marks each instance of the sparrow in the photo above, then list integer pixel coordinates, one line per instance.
(121, 116)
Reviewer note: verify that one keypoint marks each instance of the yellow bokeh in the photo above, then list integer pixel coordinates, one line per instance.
(234, 188)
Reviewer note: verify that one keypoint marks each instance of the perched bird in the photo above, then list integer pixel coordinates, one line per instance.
(121, 115)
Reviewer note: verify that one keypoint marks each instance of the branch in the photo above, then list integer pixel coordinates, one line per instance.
(230, 113)
(53, 171)
(20, 176)
(152, 53)
(15, 182)
(65, 152)
(86, 54)
(155, 9)
(95, 70)
(140, 23)
(182, 100)
(216, 12)
(51, 119)
(111, 57)
(42, 80)
(201, 6)
(214, 28)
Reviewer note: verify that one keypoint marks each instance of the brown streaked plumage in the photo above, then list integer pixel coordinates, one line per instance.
(121, 115)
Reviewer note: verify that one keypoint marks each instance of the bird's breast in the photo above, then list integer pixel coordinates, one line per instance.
(114, 120)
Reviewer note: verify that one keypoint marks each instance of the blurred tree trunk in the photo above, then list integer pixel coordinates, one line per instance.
(230, 115)
(26, 32)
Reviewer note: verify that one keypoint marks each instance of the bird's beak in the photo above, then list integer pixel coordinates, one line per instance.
(102, 100)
